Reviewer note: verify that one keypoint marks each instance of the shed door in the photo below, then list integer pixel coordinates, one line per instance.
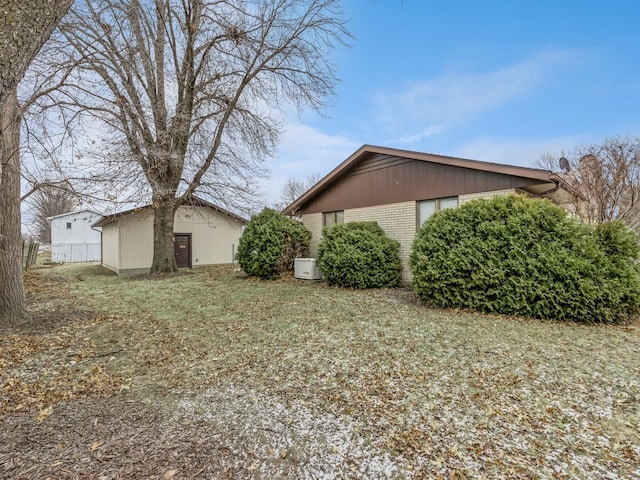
(182, 247)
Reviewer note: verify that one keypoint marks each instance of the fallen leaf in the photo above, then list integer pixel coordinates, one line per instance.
(95, 446)
(44, 413)
(169, 474)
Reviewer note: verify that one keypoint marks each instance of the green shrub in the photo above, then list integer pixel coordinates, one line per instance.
(522, 256)
(359, 255)
(270, 243)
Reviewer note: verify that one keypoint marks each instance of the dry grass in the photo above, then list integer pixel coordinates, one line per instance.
(289, 379)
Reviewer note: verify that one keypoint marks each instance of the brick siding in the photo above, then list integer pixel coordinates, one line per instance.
(313, 223)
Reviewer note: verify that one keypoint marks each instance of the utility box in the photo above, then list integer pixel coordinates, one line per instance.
(306, 269)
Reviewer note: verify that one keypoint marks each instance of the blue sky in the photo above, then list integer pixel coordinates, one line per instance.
(497, 81)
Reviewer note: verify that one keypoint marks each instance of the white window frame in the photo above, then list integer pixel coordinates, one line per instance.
(337, 217)
(437, 203)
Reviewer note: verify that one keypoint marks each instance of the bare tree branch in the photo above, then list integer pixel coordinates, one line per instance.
(193, 89)
(606, 177)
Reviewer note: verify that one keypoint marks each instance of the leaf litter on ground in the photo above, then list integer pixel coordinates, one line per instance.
(300, 380)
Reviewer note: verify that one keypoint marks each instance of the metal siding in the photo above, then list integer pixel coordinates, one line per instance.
(385, 179)
(136, 240)
(214, 236)
(110, 247)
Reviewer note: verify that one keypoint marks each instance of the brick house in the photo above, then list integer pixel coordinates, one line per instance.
(400, 189)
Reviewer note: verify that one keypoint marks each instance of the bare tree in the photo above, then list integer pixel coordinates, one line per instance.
(190, 90)
(49, 202)
(24, 27)
(294, 188)
(606, 179)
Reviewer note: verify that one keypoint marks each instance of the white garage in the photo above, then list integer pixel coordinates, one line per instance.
(73, 239)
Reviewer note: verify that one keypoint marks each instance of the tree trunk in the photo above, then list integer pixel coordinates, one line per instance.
(164, 259)
(13, 308)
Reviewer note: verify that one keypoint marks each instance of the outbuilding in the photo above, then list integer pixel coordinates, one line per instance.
(73, 239)
(204, 234)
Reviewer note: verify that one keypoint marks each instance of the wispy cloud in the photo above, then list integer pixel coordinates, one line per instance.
(305, 148)
(303, 151)
(523, 152)
(422, 109)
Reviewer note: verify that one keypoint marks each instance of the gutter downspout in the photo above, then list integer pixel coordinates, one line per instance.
(101, 244)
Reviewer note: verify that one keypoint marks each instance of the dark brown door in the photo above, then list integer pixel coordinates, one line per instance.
(182, 247)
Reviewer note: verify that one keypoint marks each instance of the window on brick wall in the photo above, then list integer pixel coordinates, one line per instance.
(331, 218)
(426, 208)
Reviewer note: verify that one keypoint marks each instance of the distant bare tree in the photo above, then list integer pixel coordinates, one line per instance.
(294, 188)
(25, 25)
(606, 177)
(190, 90)
(49, 202)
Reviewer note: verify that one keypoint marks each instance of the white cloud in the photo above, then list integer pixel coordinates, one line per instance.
(513, 151)
(303, 151)
(429, 107)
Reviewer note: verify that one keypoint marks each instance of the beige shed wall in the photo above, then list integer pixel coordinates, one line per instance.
(111, 247)
(136, 241)
(214, 237)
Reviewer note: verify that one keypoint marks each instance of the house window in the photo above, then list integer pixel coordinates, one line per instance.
(427, 208)
(331, 218)
(68, 225)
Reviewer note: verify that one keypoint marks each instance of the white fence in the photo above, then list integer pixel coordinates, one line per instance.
(69, 252)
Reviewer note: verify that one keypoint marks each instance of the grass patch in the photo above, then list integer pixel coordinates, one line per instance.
(400, 390)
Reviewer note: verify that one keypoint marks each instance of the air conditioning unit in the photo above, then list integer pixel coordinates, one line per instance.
(306, 269)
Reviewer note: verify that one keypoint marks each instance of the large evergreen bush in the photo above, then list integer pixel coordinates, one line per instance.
(359, 255)
(522, 256)
(270, 243)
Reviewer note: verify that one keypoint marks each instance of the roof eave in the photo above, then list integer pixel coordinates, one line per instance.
(107, 219)
(513, 170)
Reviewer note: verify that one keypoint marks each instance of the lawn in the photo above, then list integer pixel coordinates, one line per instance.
(212, 374)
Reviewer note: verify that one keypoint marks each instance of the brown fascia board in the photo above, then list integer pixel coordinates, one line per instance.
(516, 171)
(194, 202)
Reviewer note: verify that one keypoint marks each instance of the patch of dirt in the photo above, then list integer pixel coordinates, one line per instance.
(113, 438)
(50, 303)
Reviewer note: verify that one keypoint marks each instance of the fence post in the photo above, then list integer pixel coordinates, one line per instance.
(29, 253)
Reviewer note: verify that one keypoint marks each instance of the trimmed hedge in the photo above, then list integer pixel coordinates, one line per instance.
(521, 256)
(270, 243)
(359, 255)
